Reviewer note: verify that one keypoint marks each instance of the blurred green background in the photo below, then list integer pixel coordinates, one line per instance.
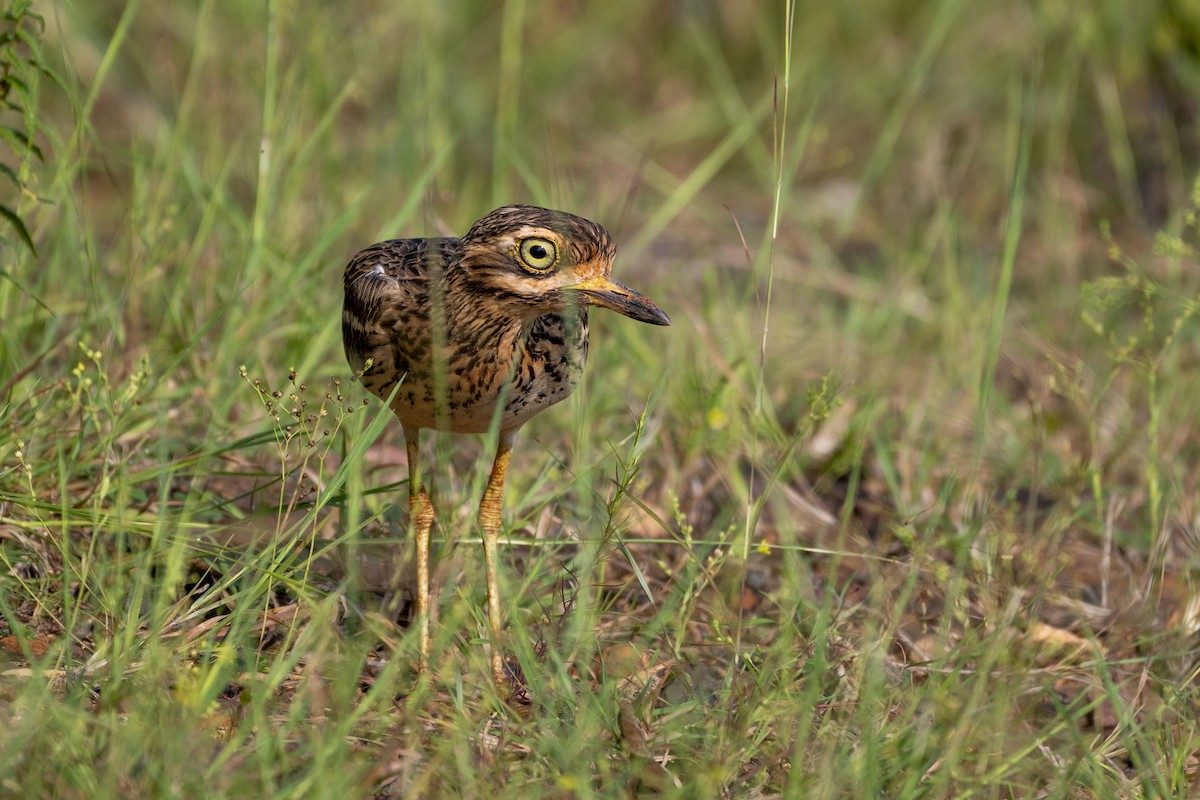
(922, 432)
(227, 157)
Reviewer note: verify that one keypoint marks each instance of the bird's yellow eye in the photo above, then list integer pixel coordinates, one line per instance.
(538, 255)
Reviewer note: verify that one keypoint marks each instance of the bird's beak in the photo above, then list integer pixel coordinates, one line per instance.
(602, 290)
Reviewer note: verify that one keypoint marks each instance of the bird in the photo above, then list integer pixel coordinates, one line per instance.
(456, 333)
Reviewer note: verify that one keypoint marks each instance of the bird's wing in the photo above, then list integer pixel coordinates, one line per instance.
(385, 282)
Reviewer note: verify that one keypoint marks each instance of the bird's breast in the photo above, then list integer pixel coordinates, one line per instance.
(453, 375)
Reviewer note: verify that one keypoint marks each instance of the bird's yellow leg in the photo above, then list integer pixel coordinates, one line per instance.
(420, 518)
(489, 523)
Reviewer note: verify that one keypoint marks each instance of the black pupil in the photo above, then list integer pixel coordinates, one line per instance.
(538, 252)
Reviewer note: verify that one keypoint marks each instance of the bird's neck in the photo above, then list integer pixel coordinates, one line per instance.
(466, 304)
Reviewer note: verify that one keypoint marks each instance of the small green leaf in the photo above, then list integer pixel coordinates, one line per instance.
(5, 169)
(19, 224)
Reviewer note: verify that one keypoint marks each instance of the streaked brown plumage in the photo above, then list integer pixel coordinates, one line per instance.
(465, 325)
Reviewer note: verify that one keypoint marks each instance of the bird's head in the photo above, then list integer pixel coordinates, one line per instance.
(536, 261)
